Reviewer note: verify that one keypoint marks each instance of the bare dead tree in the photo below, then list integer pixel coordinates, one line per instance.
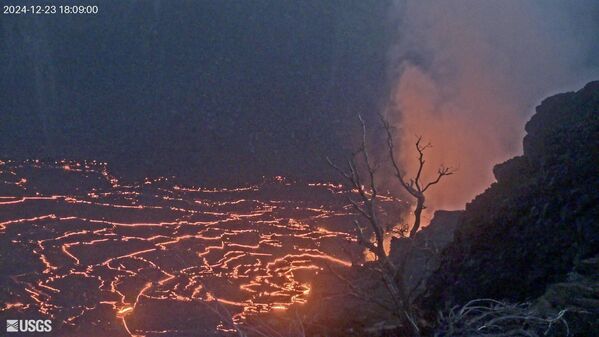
(366, 187)
(414, 186)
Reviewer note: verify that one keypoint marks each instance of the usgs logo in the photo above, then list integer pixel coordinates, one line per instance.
(28, 325)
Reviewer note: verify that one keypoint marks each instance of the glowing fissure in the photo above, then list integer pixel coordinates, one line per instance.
(117, 255)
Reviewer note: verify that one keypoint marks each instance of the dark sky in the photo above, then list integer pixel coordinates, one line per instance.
(218, 91)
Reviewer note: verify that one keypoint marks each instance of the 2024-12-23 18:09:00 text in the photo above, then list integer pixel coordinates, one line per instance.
(49, 9)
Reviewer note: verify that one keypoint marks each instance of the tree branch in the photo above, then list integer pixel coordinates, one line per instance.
(442, 172)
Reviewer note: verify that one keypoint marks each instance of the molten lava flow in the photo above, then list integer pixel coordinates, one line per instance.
(101, 254)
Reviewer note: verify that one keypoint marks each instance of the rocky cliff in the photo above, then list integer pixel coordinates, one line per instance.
(539, 221)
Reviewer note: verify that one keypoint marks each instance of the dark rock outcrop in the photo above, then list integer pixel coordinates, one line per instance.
(428, 244)
(539, 220)
(351, 302)
(578, 296)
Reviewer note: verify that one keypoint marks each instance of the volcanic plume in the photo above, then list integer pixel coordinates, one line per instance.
(467, 75)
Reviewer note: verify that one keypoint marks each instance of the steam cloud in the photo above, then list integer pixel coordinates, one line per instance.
(468, 74)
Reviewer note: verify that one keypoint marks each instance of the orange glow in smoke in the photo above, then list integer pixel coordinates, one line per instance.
(460, 138)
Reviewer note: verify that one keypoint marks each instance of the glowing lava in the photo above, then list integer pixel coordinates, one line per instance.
(159, 258)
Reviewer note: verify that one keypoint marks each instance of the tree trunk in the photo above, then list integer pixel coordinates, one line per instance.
(417, 215)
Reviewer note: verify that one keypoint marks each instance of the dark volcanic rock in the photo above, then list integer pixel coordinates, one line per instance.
(578, 295)
(349, 302)
(534, 225)
(429, 242)
(437, 234)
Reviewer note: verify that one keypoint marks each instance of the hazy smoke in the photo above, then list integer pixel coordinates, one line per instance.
(469, 73)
